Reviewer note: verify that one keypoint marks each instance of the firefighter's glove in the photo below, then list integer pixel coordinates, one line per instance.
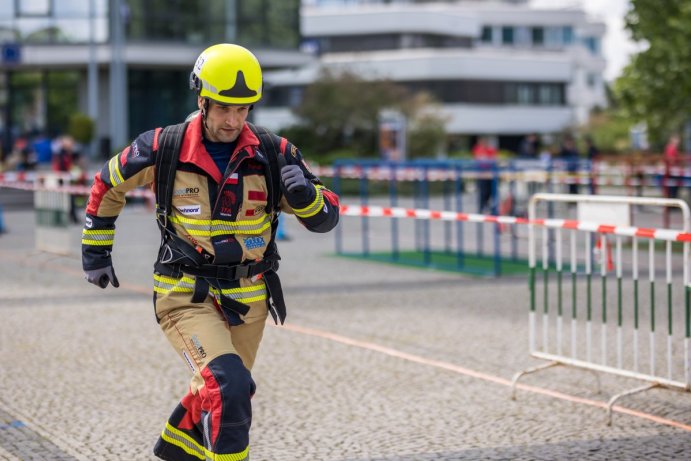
(101, 277)
(293, 179)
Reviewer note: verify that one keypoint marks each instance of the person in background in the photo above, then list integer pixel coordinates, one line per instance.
(672, 165)
(486, 156)
(64, 155)
(23, 156)
(65, 159)
(528, 149)
(569, 154)
(281, 234)
(593, 155)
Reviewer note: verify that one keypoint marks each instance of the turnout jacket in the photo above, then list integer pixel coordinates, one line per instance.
(224, 216)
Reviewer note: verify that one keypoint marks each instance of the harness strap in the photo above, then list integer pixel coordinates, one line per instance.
(277, 306)
(169, 142)
(268, 145)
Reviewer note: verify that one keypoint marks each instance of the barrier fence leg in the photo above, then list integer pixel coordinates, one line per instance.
(517, 376)
(460, 249)
(611, 402)
(365, 221)
(393, 201)
(339, 229)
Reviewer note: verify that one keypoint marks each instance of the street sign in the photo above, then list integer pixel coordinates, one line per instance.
(11, 53)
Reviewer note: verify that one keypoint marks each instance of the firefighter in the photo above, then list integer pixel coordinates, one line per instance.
(215, 276)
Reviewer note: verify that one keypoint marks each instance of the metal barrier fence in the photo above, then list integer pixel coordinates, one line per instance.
(456, 186)
(615, 260)
(52, 207)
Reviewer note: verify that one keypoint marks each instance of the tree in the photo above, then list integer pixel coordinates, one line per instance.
(341, 110)
(656, 85)
(81, 128)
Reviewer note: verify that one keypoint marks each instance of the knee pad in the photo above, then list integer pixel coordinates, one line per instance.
(229, 383)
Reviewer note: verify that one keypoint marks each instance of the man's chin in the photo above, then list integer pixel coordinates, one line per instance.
(228, 137)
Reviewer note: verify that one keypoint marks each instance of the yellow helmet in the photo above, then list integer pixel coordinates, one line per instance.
(227, 74)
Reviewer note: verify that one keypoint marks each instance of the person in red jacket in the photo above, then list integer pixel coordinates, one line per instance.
(672, 167)
(215, 278)
(485, 156)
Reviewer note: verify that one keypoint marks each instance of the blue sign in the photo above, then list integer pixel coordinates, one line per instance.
(11, 53)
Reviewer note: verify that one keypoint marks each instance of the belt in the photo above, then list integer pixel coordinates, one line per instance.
(236, 272)
(209, 274)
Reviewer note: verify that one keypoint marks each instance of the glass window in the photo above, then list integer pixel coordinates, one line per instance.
(549, 94)
(61, 99)
(507, 35)
(486, 36)
(522, 36)
(72, 30)
(268, 22)
(567, 35)
(592, 80)
(510, 93)
(203, 22)
(33, 7)
(6, 10)
(158, 98)
(34, 30)
(295, 96)
(538, 36)
(553, 37)
(71, 8)
(8, 33)
(525, 93)
(593, 44)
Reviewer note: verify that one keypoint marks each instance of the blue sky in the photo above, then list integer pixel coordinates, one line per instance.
(617, 46)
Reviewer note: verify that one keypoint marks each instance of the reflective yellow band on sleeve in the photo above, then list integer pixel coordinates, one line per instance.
(114, 169)
(98, 237)
(314, 207)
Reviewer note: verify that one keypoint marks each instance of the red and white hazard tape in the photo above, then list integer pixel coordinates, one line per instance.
(377, 211)
(397, 212)
(72, 190)
(555, 177)
(34, 176)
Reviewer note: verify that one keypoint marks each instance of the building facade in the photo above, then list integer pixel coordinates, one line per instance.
(125, 63)
(500, 69)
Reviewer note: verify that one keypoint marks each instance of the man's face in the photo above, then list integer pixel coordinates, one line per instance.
(223, 123)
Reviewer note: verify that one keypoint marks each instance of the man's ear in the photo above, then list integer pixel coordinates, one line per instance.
(200, 102)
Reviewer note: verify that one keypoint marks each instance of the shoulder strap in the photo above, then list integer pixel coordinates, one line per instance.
(269, 146)
(169, 142)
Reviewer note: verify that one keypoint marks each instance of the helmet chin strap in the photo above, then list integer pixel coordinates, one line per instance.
(204, 110)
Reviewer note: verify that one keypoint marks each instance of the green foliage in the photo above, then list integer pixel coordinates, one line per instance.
(340, 112)
(426, 131)
(656, 85)
(609, 131)
(81, 128)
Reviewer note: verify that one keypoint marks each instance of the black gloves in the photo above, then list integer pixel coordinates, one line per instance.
(293, 178)
(101, 277)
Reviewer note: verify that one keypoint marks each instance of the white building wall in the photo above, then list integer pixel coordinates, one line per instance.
(448, 64)
(465, 118)
(569, 63)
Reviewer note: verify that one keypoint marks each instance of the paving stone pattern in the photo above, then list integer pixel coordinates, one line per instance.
(87, 375)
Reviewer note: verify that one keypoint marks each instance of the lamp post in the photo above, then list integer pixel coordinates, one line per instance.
(92, 78)
(118, 75)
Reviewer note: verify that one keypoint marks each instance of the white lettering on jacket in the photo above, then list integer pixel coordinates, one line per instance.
(190, 209)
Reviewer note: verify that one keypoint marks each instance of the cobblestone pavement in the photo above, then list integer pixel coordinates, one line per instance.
(376, 363)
